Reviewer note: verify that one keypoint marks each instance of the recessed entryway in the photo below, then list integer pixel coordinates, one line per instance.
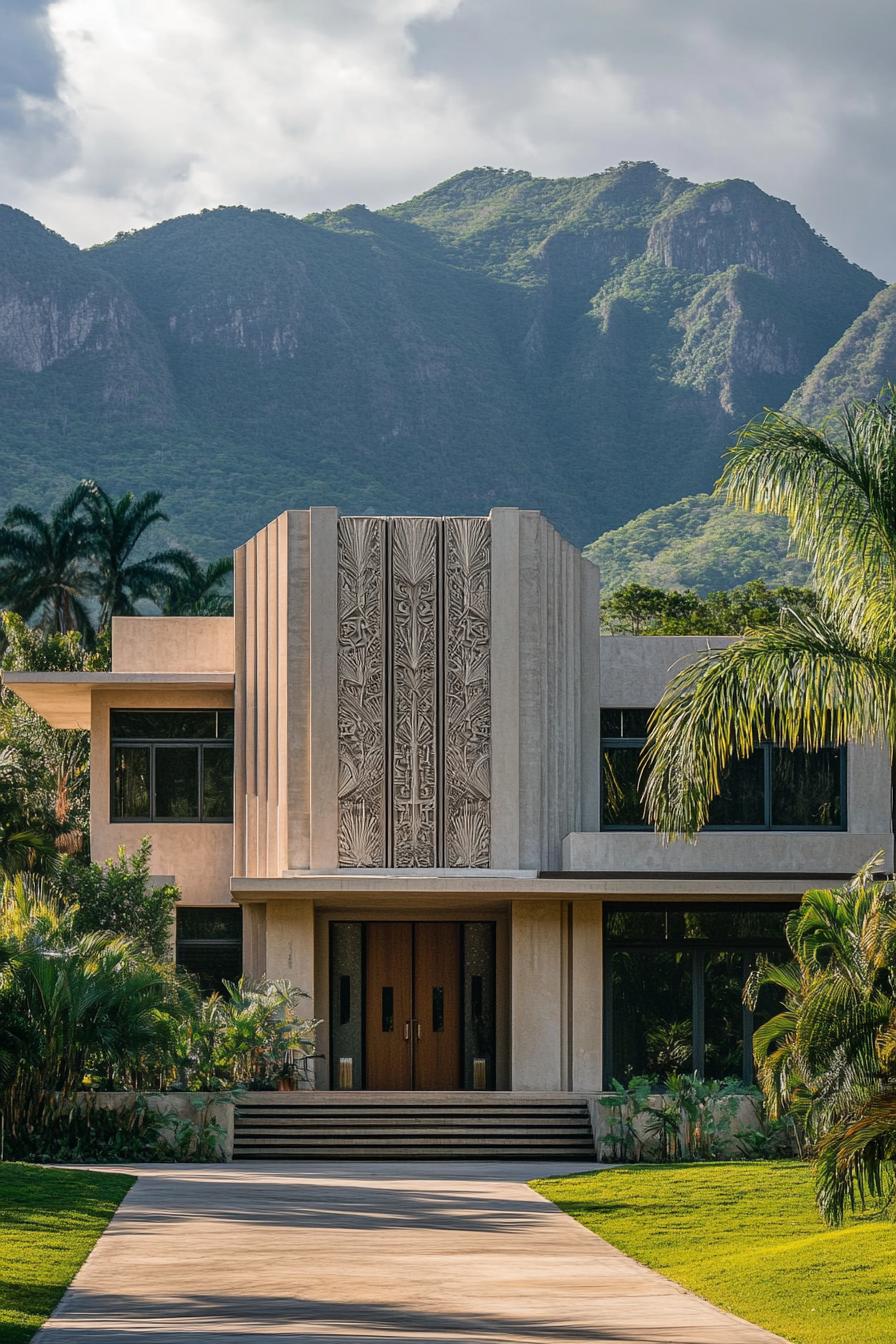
(412, 1004)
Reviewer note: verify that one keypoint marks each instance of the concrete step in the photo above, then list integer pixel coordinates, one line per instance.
(411, 1154)
(267, 1127)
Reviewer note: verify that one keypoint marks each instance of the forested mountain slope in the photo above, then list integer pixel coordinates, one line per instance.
(583, 345)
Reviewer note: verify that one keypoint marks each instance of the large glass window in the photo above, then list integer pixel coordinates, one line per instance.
(673, 987)
(172, 765)
(772, 789)
(210, 945)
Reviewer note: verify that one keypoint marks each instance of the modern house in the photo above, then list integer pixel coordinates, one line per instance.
(403, 776)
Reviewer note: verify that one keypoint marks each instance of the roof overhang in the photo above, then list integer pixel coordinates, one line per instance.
(384, 888)
(63, 698)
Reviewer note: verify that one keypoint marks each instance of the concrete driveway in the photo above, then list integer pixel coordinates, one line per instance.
(367, 1253)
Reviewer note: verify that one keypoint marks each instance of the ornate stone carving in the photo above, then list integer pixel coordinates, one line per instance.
(467, 723)
(414, 732)
(362, 693)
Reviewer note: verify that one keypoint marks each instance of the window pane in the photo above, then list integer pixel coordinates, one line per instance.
(209, 922)
(130, 782)
(806, 787)
(211, 963)
(611, 723)
(651, 1008)
(166, 723)
(177, 782)
(620, 801)
(741, 801)
(634, 722)
(723, 1025)
(217, 782)
(624, 722)
(737, 926)
(637, 926)
(225, 722)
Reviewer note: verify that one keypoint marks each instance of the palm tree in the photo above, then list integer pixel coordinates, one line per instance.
(115, 528)
(829, 1056)
(819, 678)
(45, 564)
(194, 589)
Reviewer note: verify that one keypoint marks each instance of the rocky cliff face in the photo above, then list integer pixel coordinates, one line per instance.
(584, 346)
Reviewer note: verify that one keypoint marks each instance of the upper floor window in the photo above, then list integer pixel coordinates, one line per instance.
(772, 789)
(172, 764)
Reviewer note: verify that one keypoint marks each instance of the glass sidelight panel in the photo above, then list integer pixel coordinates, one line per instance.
(388, 1008)
(479, 1004)
(346, 1003)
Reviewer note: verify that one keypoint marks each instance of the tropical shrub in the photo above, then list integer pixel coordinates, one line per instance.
(138, 1132)
(250, 1035)
(827, 1060)
(681, 1117)
(75, 1006)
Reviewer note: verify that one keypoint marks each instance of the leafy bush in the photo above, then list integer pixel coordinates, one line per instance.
(251, 1035)
(85, 1132)
(95, 1010)
(117, 896)
(75, 1005)
(681, 1118)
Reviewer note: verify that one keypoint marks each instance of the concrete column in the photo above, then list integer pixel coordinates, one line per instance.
(537, 995)
(289, 940)
(586, 1009)
(505, 688)
(254, 940)
(323, 606)
(589, 672)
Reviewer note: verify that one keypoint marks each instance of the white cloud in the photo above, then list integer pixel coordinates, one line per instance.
(126, 114)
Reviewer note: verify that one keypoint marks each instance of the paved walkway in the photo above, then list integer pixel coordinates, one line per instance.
(367, 1253)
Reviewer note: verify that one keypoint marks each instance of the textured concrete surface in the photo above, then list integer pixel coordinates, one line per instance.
(360, 1253)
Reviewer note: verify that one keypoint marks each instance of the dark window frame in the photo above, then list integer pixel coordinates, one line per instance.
(750, 946)
(610, 743)
(230, 944)
(153, 744)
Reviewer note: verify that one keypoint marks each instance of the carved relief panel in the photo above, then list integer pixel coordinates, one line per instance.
(414, 692)
(414, 699)
(362, 693)
(467, 729)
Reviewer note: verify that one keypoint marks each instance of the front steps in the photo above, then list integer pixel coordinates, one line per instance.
(340, 1126)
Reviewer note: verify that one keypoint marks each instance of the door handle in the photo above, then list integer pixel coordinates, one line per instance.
(419, 1032)
(407, 1031)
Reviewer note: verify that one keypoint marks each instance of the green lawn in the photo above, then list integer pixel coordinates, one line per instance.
(745, 1235)
(50, 1218)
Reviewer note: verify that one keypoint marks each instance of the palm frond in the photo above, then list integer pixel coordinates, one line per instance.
(800, 684)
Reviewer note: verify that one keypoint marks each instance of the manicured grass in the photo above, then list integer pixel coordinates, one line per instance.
(50, 1218)
(745, 1235)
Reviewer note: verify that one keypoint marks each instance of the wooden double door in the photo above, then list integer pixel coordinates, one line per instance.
(413, 1005)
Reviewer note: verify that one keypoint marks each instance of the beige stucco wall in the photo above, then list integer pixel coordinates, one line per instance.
(199, 857)
(172, 643)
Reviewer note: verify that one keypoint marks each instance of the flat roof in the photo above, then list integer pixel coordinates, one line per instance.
(63, 698)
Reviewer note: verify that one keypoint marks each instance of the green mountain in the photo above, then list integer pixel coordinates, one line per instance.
(698, 542)
(583, 345)
(857, 366)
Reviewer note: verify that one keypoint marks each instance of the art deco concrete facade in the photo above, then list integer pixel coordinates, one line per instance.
(417, 737)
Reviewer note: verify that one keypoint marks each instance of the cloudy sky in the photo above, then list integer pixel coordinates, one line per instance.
(117, 113)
